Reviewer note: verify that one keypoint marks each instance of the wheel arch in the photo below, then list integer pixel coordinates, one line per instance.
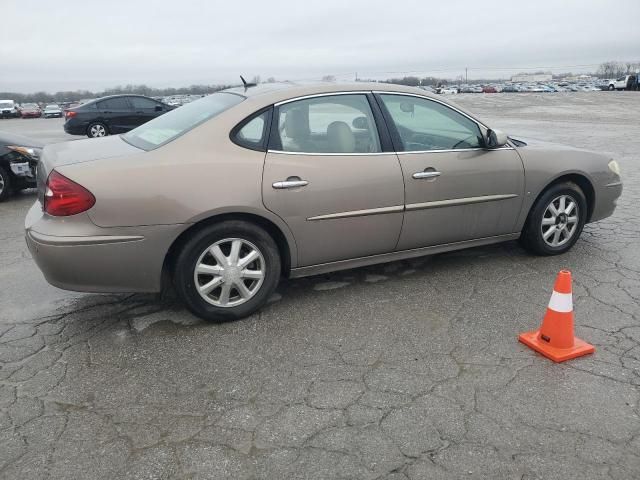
(284, 241)
(579, 179)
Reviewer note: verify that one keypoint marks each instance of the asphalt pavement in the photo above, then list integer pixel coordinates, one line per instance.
(407, 370)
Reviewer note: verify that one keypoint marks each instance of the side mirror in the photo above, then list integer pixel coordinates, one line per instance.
(496, 139)
(158, 108)
(406, 107)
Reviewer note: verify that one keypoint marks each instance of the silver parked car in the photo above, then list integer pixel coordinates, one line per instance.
(226, 194)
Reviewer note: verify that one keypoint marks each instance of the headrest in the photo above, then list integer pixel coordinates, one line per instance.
(295, 124)
(340, 138)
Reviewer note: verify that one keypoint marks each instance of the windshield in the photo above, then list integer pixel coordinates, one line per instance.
(6, 104)
(169, 126)
(29, 105)
(52, 107)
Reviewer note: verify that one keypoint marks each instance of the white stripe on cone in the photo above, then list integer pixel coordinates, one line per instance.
(561, 302)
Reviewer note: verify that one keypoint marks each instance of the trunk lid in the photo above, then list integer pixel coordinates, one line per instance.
(79, 151)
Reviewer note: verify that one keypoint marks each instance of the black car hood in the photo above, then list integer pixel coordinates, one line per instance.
(7, 138)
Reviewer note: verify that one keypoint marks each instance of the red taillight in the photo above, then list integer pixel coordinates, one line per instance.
(69, 114)
(65, 197)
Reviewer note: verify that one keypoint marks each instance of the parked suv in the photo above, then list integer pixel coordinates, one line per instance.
(628, 82)
(113, 114)
(9, 109)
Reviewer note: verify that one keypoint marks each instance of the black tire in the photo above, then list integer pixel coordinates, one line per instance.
(5, 185)
(96, 126)
(532, 236)
(190, 252)
(611, 88)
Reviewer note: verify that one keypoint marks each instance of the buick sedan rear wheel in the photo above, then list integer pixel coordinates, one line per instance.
(227, 271)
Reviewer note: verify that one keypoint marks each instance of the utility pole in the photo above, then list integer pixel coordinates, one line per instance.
(356, 76)
(466, 76)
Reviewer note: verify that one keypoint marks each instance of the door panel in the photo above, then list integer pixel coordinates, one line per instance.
(478, 193)
(116, 113)
(455, 189)
(143, 110)
(359, 199)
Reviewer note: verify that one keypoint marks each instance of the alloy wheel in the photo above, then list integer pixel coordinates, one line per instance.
(97, 131)
(229, 272)
(560, 221)
(2, 183)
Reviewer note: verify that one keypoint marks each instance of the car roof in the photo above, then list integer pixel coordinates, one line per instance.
(279, 91)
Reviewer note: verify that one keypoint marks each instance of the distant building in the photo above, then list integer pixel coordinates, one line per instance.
(578, 78)
(532, 77)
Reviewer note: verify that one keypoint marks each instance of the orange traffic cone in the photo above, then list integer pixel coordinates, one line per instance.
(555, 338)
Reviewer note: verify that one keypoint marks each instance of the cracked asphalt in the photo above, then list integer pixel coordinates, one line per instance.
(409, 370)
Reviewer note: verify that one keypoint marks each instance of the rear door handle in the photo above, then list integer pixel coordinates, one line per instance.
(429, 174)
(291, 182)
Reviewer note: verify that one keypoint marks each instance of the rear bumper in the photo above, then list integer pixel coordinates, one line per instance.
(75, 128)
(109, 260)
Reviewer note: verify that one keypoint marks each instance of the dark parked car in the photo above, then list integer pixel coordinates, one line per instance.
(18, 159)
(113, 114)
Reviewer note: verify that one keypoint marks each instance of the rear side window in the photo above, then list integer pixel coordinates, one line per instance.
(328, 124)
(252, 133)
(143, 103)
(118, 103)
(171, 125)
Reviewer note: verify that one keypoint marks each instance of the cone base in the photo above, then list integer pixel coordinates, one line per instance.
(580, 347)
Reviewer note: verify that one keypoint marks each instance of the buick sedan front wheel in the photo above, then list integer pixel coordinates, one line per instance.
(556, 220)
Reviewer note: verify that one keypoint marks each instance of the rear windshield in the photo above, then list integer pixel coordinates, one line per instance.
(167, 127)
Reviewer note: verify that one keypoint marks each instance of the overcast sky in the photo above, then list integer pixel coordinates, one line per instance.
(72, 44)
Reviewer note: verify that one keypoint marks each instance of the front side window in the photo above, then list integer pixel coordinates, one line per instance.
(328, 124)
(171, 125)
(424, 124)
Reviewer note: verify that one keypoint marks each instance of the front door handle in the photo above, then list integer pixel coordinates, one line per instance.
(291, 182)
(426, 174)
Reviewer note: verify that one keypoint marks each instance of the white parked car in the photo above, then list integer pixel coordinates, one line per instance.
(8, 109)
(52, 111)
(619, 84)
(448, 90)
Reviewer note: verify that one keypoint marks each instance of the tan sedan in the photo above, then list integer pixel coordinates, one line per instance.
(226, 194)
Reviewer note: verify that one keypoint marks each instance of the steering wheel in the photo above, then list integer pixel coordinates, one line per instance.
(464, 140)
(422, 141)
